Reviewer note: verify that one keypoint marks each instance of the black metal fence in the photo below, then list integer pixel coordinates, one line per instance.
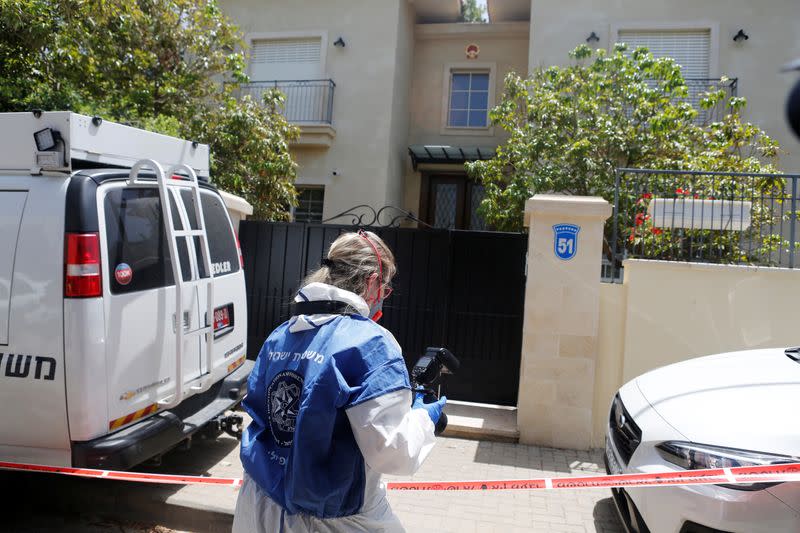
(709, 217)
(307, 101)
(463, 290)
(698, 86)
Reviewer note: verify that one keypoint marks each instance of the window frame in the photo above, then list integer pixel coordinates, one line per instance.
(651, 25)
(471, 67)
(309, 187)
(109, 287)
(250, 38)
(232, 255)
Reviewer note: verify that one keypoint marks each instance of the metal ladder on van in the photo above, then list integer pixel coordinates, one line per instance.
(165, 182)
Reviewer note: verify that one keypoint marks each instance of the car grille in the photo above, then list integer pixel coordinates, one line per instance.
(625, 434)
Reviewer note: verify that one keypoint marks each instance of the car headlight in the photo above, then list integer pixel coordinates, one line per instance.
(693, 456)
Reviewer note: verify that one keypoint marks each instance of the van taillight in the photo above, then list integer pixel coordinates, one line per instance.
(82, 266)
(239, 247)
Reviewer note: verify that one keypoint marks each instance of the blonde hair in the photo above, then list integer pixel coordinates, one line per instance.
(352, 261)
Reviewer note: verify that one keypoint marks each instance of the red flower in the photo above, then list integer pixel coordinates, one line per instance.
(657, 231)
(682, 191)
(646, 196)
(640, 218)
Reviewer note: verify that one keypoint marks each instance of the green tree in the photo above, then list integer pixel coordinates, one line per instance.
(570, 127)
(28, 61)
(472, 12)
(250, 151)
(172, 66)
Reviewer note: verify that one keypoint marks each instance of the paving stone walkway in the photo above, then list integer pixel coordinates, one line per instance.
(578, 511)
(453, 459)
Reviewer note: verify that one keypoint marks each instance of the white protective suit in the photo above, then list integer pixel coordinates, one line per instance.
(391, 437)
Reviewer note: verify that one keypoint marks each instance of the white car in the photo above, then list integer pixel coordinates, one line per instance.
(726, 410)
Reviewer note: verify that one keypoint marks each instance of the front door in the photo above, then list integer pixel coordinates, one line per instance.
(452, 202)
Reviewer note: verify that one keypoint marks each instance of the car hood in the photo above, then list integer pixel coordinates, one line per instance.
(748, 400)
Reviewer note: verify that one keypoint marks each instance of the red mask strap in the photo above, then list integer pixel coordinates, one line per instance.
(363, 234)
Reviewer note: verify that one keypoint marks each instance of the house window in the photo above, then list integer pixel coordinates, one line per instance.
(691, 49)
(286, 59)
(469, 100)
(309, 204)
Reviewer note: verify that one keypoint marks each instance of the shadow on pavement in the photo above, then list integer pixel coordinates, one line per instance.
(54, 495)
(198, 460)
(606, 519)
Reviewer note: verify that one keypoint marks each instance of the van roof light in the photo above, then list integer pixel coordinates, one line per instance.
(62, 141)
(45, 139)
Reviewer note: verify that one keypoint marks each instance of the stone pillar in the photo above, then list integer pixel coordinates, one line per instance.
(562, 307)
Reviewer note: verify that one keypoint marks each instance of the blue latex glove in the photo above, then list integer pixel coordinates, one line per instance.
(434, 408)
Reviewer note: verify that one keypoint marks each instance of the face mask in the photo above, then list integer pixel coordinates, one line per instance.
(376, 310)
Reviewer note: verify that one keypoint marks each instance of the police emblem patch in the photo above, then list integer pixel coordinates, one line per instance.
(283, 405)
(565, 241)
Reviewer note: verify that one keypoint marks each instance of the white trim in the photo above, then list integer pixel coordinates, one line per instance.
(645, 25)
(305, 181)
(460, 30)
(467, 66)
(301, 34)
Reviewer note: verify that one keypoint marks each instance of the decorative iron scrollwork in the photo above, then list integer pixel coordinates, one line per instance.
(356, 216)
(386, 217)
(399, 216)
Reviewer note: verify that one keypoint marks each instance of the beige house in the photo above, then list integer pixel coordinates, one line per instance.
(392, 96)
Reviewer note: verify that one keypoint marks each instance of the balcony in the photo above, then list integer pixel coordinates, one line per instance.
(698, 86)
(309, 105)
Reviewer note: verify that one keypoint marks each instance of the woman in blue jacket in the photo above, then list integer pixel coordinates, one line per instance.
(331, 405)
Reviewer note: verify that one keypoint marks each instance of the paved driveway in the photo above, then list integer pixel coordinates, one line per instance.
(579, 511)
(206, 508)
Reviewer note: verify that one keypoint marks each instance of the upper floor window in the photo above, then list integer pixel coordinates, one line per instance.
(286, 59)
(469, 100)
(691, 49)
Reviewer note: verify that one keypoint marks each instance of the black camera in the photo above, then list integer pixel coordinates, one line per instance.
(427, 374)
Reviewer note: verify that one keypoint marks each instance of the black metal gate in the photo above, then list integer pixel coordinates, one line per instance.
(463, 290)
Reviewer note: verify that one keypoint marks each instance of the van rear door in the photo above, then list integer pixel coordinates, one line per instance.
(139, 297)
(230, 300)
(12, 204)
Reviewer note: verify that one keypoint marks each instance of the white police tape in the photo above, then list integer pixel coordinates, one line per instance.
(715, 476)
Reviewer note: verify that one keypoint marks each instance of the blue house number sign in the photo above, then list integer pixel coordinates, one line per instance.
(565, 241)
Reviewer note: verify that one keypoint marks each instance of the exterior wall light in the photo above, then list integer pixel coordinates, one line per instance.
(339, 42)
(741, 36)
(593, 38)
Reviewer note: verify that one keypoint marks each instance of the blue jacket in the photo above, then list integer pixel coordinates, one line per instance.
(300, 448)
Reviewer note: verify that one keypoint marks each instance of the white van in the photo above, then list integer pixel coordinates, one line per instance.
(94, 371)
